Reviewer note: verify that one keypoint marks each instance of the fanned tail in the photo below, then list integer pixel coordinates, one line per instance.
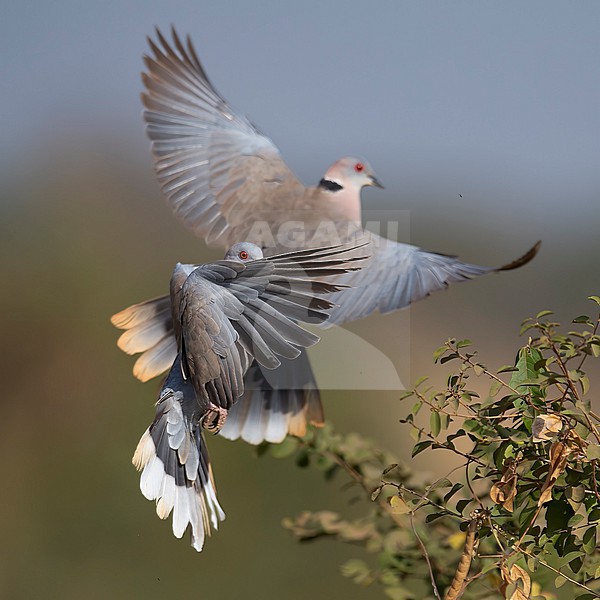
(275, 403)
(149, 331)
(176, 469)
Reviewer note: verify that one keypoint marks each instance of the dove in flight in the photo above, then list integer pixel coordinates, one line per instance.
(226, 315)
(227, 182)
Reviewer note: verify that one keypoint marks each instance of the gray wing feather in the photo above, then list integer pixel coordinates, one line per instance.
(399, 274)
(222, 315)
(263, 287)
(210, 357)
(215, 168)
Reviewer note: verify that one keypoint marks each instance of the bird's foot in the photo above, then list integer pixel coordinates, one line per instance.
(214, 419)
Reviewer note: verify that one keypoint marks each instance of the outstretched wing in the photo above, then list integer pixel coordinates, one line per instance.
(228, 313)
(398, 274)
(149, 327)
(217, 171)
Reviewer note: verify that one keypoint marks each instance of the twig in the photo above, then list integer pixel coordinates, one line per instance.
(544, 563)
(445, 445)
(563, 368)
(341, 463)
(584, 357)
(403, 488)
(432, 485)
(594, 480)
(426, 556)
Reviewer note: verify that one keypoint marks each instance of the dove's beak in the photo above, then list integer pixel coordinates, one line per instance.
(376, 182)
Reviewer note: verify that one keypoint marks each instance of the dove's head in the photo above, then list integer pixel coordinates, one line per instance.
(349, 173)
(244, 252)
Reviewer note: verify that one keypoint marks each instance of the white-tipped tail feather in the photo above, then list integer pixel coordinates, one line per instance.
(275, 404)
(271, 416)
(176, 472)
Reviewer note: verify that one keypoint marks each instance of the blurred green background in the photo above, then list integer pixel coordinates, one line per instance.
(481, 120)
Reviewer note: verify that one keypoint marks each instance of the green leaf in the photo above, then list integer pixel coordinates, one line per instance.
(595, 299)
(444, 420)
(526, 367)
(455, 488)
(495, 388)
(463, 343)
(559, 581)
(582, 319)
(356, 569)
(543, 313)
(435, 423)
(593, 452)
(575, 495)
(448, 358)
(461, 505)
(533, 563)
(397, 593)
(399, 505)
(420, 381)
(526, 327)
(558, 513)
(589, 540)
(440, 483)
(418, 448)
(489, 566)
(574, 520)
(286, 448)
(584, 381)
(375, 493)
(569, 557)
(435, 516)
(507, 369)
(439, 352)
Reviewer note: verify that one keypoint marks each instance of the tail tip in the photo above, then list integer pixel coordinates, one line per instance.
(522, 260)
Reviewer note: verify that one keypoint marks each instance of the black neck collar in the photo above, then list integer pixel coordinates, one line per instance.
(330, 186)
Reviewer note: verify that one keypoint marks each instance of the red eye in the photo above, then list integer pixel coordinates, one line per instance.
(243, 255)
(358, 167)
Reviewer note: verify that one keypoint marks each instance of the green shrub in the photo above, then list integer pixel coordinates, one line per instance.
(517, 518)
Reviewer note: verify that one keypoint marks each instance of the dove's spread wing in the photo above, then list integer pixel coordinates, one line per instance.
(149, 326)
(398, 274)
(229, 312)
(217, 171)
